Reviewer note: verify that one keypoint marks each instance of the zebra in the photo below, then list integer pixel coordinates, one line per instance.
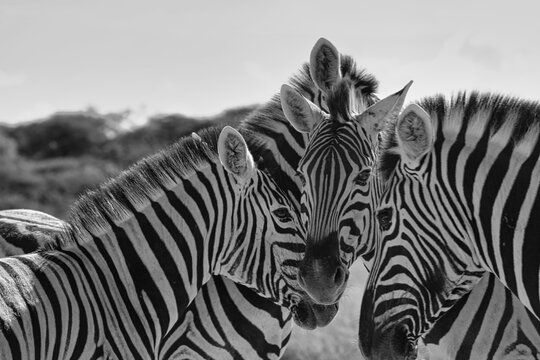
(137, 250)
(501, 320)
(459, 204)
(338, 188)
(284, 146)
(225, 320)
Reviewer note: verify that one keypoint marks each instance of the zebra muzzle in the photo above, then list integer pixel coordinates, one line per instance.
(309, 316)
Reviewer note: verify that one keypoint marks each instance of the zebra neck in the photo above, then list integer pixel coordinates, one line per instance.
(369, 233)
(139, 276)
(497, 182)
(166, 249)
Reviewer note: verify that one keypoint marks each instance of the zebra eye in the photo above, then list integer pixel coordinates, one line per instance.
(282, 214)
(301, 177)
(362, 177)
(384, 217)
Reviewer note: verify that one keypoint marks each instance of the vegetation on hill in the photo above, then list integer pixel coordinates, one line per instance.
(45, 165)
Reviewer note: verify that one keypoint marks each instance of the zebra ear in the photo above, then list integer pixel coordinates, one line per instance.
(234, 154)
(301, 113)
(324, 65)
(414, 133)
(375, 117)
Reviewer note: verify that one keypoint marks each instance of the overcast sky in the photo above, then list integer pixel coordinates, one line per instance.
(200, 57)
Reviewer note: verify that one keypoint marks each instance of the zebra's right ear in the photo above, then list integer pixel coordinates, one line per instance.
(301, 113)
(234, 154)
(324, 65)
(375, 117)
(414, 133)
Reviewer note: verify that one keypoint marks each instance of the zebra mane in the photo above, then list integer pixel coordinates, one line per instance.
(303, 82)
(505, 119)
(118, 198)
(268, 121)
(340, 101)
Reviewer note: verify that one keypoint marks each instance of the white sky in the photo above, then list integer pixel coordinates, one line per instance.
(200, 57)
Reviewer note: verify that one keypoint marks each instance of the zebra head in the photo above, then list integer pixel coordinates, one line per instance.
(336, 171)
(422, 264)
(267, 243)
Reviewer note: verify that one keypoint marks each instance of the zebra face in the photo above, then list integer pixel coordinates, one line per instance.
(422, 264)
(266, 245)
(335, 204)
(336, 171)
(281, 238)
(338, 189)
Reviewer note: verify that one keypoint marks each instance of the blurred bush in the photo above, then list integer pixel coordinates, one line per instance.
(161, 130)
(62, 135)
(45, 165)
(50, 185)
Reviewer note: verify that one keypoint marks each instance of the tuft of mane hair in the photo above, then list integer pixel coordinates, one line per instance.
(505, 117)
(117, 199)
(359, 77)
(341, 104)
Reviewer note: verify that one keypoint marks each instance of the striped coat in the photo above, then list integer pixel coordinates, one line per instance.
(225, 321)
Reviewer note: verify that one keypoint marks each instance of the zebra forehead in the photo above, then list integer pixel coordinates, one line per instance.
(341, 140)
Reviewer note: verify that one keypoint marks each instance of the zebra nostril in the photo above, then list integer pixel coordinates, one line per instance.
(412, 351)
(301, 280)
(294, 308)
(339, 276)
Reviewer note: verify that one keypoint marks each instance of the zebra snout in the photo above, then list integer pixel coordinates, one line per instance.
(323, 279)
(309, 316)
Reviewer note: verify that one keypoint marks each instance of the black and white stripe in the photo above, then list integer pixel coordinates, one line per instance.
(284, 149)
(225, 321)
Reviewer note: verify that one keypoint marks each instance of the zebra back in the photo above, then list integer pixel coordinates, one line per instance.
(23, 231)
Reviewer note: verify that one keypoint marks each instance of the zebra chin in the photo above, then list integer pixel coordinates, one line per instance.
(383, 339)
(310, 316)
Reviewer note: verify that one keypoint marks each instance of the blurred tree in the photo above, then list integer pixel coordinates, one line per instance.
(160, 131)
(232, 117)
(68, 153)
(8, 148)
(63, 134)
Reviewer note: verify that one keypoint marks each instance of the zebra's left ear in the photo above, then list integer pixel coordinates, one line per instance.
(234, 154)
(377, 115)
(324, 65)
(414, 133)
(301, 113)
